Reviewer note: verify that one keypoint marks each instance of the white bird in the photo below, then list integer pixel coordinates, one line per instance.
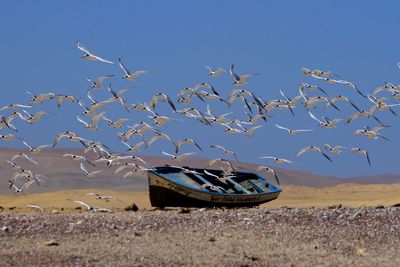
(358, 150)
(87, 173)
(268, 169)
(293, 132)
(23, 155)
(89, 55)
(96, 84)
(277, 160)
(37, 99)
(327, 123)
(128, 75)
(178, 157)
(225, 151)
(161, 97)
(78, 158)
(239, 80)
(334, 149)
(134, 148)
(371, 133)
(157, 136)
(68, 98)
(7, 137)
(178, 144)
(35, 207)
(91, 208)
(34, 150)
(71, 136)
(313, 148)
(14, 107)
(102, 197)
(214, 73)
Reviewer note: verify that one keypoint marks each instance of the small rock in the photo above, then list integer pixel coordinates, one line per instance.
(360, 251)
(78, 208)
(212, 239)
(379, 207)
(4, 229)
(51, 243)
(339, 206)
(11, 208)
(397, 205)
(1, 208)
(54, 211)
(137, 234)
(131, 207)
(184, 210)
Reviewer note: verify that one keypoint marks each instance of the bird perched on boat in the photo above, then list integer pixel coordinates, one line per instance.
(313, 148)
(89, 55)
(293, 132)
(357, 150)
(129, 75)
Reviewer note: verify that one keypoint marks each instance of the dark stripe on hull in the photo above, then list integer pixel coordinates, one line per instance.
(164, 197)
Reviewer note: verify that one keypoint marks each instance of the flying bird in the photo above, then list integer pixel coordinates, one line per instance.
(89, 55)
(129, 75)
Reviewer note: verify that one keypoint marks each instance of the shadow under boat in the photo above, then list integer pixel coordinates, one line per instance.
(171, 186)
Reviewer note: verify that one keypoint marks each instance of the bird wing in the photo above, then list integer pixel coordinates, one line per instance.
(122, 66)
(281, 127)
(313, 117)
(81, 47)
(167, 154)
(83, 168)
(83, 204)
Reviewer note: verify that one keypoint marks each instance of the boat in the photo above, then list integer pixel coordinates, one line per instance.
(175, 186)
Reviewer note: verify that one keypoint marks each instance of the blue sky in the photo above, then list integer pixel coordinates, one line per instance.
(174, 40)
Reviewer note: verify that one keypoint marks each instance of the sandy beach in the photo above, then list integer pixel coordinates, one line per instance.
(346, 225)
(203, 237)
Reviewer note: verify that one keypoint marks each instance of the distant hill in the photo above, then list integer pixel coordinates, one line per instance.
(387, 178)
(65, 174)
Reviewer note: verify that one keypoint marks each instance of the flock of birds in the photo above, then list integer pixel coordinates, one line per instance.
(257, 112)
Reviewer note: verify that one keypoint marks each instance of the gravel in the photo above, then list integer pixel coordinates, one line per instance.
(203, 237)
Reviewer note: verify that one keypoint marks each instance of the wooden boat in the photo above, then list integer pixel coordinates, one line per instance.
(172, 186)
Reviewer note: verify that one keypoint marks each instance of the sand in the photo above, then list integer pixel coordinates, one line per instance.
(203, 237)
(348, 195)
(360, 228)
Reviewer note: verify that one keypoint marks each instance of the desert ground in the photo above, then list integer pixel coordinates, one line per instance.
(342, 225)
(347, 195)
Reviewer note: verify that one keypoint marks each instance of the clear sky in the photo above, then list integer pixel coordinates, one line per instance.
(174, 40)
